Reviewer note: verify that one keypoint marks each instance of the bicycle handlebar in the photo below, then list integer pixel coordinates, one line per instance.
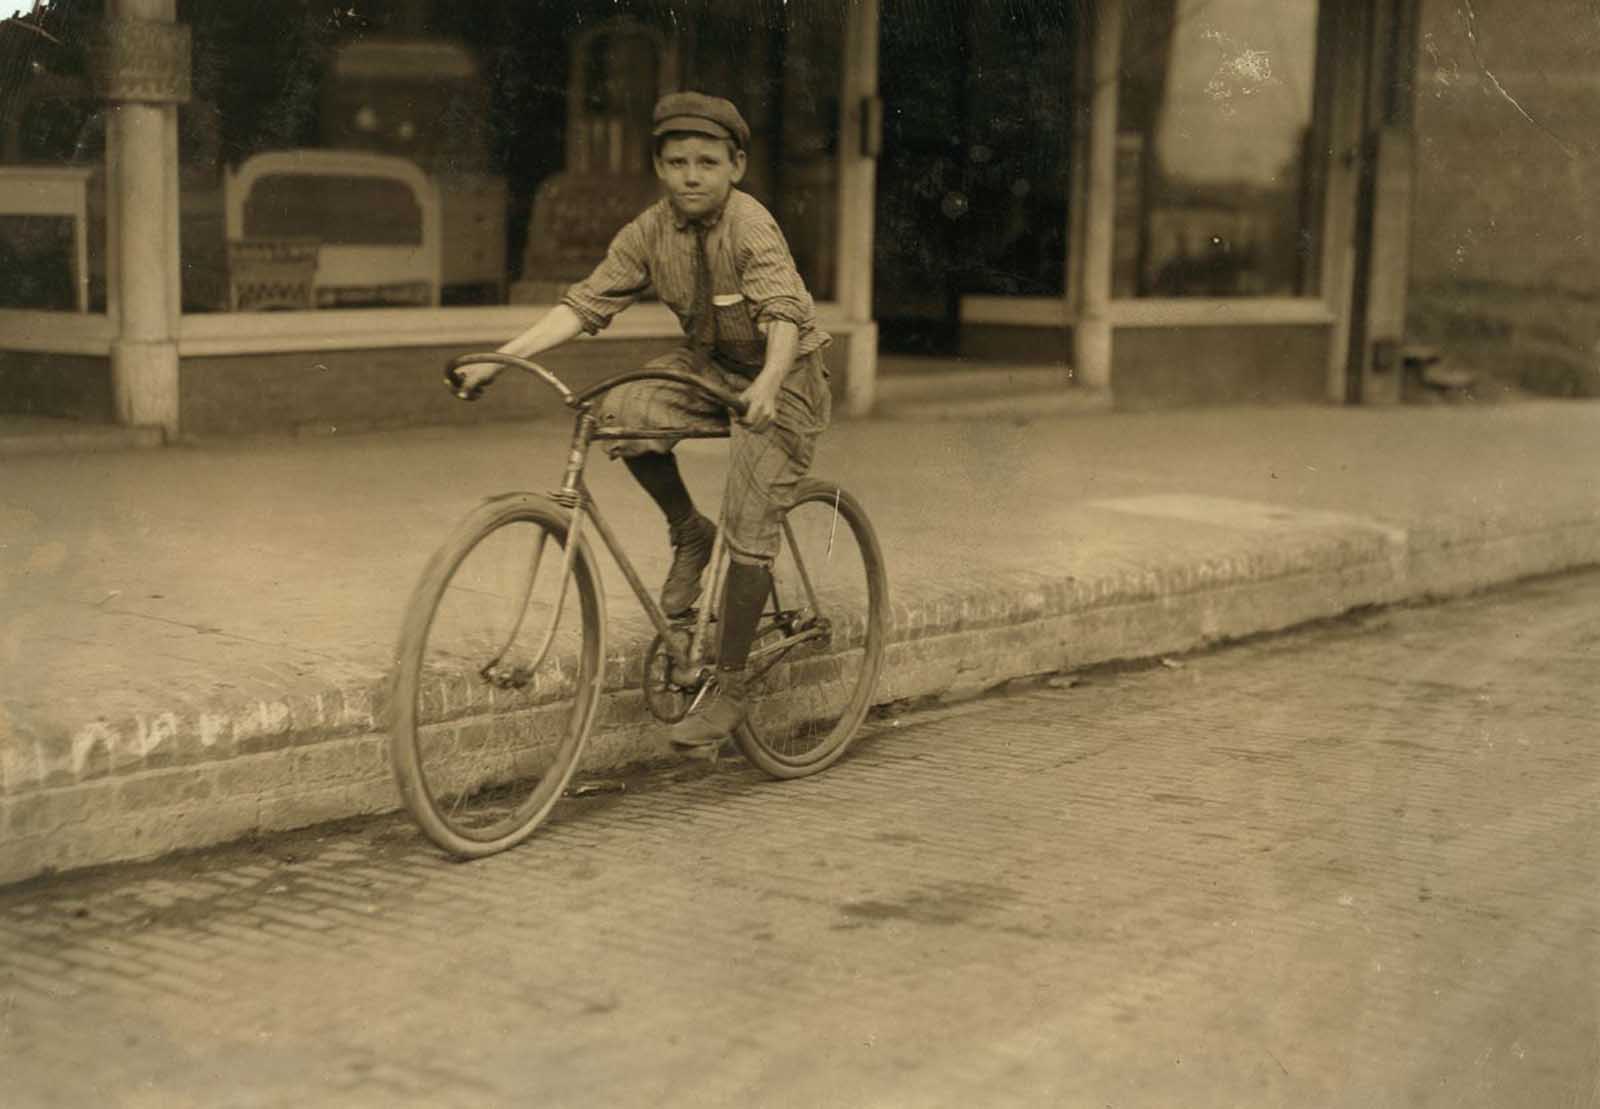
(710, 389)
(452, 375)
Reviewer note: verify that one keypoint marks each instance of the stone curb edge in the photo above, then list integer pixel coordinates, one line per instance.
(172, 781)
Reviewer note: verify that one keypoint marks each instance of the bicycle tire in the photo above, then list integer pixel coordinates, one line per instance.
(808, 704)
(481, 764)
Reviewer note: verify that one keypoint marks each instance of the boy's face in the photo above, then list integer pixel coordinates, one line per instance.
(699, 172)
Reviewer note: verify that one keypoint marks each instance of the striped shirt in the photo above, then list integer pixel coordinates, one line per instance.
(753, 278)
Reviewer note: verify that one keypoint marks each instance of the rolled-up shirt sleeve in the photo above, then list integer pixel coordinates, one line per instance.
(767, 275)
(618, 281)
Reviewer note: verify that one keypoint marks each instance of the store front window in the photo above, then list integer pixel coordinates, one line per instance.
(1218, 178)
(52, 164)
(411, 152)
(1017, 175)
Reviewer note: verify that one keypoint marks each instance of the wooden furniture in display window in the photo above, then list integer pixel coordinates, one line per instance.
(374, 217)
(619, 69)
(268, 274)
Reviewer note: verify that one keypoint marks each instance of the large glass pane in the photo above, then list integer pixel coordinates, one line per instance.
(323, 133)
(1217, 177)
(1019, 136)
(975, 172)
(52, 162)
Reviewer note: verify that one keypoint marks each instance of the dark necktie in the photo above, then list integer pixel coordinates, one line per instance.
(704, 336)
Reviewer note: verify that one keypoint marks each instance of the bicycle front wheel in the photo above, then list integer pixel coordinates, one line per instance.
(819, 647)
(497, 676)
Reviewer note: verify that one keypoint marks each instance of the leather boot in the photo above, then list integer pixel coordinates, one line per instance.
(724, 708)
(692, 540)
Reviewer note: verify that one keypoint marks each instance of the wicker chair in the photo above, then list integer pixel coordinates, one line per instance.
(265, 274)
(377, 219)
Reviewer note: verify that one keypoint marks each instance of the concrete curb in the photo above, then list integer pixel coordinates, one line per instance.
(148, 786)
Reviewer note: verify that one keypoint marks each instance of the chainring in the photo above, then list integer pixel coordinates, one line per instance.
(668, 692)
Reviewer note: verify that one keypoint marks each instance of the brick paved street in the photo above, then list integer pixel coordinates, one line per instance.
(1349, 866)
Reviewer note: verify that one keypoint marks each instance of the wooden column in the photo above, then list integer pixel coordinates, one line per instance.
(142, 66)
(860, 134)
(1092, 335)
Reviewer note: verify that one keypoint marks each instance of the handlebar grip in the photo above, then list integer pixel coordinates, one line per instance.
(736, 404)
(452, 377)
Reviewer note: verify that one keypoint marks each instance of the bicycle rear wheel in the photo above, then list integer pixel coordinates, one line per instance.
(485, 732)
(819, 647)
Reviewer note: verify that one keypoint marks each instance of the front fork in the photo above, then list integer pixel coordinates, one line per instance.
(573, 496)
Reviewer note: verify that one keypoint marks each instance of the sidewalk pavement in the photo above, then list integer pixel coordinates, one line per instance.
(20, 435)
(194, 640)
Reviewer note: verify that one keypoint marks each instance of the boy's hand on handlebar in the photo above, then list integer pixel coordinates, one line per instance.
(468, 382)
(762, 397)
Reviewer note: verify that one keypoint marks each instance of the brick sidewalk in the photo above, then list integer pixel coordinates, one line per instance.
(194, 640)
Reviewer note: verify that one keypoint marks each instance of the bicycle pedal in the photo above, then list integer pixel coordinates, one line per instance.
(515, 678)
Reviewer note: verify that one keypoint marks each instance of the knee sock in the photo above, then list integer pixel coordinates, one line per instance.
(658, 474)
(743, 598)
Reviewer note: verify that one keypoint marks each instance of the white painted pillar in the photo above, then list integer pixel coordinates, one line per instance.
(144, 73)
(1092, 335)
(860, 134)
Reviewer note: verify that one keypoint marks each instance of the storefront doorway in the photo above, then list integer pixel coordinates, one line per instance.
(975, 172)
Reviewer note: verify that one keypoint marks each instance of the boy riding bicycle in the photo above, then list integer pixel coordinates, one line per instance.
(715, 256)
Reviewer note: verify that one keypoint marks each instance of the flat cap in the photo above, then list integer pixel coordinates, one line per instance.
(705, 115)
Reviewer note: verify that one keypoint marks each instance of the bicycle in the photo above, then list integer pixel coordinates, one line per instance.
(495, 691)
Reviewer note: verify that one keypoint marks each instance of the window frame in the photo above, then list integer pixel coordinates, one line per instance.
(1330, 117)
(1321, 307)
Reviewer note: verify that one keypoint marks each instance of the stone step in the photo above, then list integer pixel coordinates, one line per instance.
(956, 391)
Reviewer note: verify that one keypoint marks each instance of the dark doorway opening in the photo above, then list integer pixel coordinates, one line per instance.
(975, 172)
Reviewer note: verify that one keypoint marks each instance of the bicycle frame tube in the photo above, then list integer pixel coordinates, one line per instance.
(657, 433)
(584, 430)
(728, 399)
(635, 582)
(575, 494)
(713, 590)
(800, 566)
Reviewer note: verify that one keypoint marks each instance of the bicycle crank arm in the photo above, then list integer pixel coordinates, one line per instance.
(516, 677)
(789, 642)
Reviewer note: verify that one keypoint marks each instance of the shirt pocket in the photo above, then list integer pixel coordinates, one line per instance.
(738, 338)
